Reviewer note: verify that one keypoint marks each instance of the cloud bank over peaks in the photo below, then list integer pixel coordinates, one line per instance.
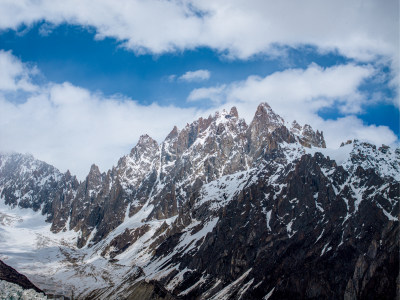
(72, 127)
(309, 90)
(299, 94)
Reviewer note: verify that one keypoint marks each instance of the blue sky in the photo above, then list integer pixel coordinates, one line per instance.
(71, 53)
(86, 73)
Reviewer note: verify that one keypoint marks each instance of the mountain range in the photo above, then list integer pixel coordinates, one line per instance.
(221, 209)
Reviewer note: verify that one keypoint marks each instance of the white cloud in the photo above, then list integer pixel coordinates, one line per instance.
(298, 94)
(350, 127)
(71, 127)
(297, 90)
(14, 76)
(358, 29)
(46, 29)
(199, 75)
(215, 94)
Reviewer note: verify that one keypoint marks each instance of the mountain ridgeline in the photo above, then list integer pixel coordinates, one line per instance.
(223, 209)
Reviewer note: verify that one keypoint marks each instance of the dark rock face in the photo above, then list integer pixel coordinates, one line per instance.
(148, 291)
(11, 275)
(300, 241)
(243, 212)
(140, 290)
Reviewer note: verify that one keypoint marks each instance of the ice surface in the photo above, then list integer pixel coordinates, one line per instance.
(13, 291)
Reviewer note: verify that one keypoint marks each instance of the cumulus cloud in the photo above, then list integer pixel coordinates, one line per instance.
(358, 29)
(71, 127)
(215, 94)
(350, 127)
(14, 75)
(297, 90)
(199, 75)
(299, 94)
(46, 29)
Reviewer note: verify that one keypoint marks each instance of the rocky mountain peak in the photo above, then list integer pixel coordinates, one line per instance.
(307, 136)
(307, 130)
(173, 134)
(145, 146)
(296, 127)
(68, 174)
(132, 168)
(265, 111)
(94, 177)
(94, 170)
(266, 119)
(233, 112)
(20, 174)
(346, 143)
(312, 138)
(226, 117)
(146, 141)
(221, 115)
